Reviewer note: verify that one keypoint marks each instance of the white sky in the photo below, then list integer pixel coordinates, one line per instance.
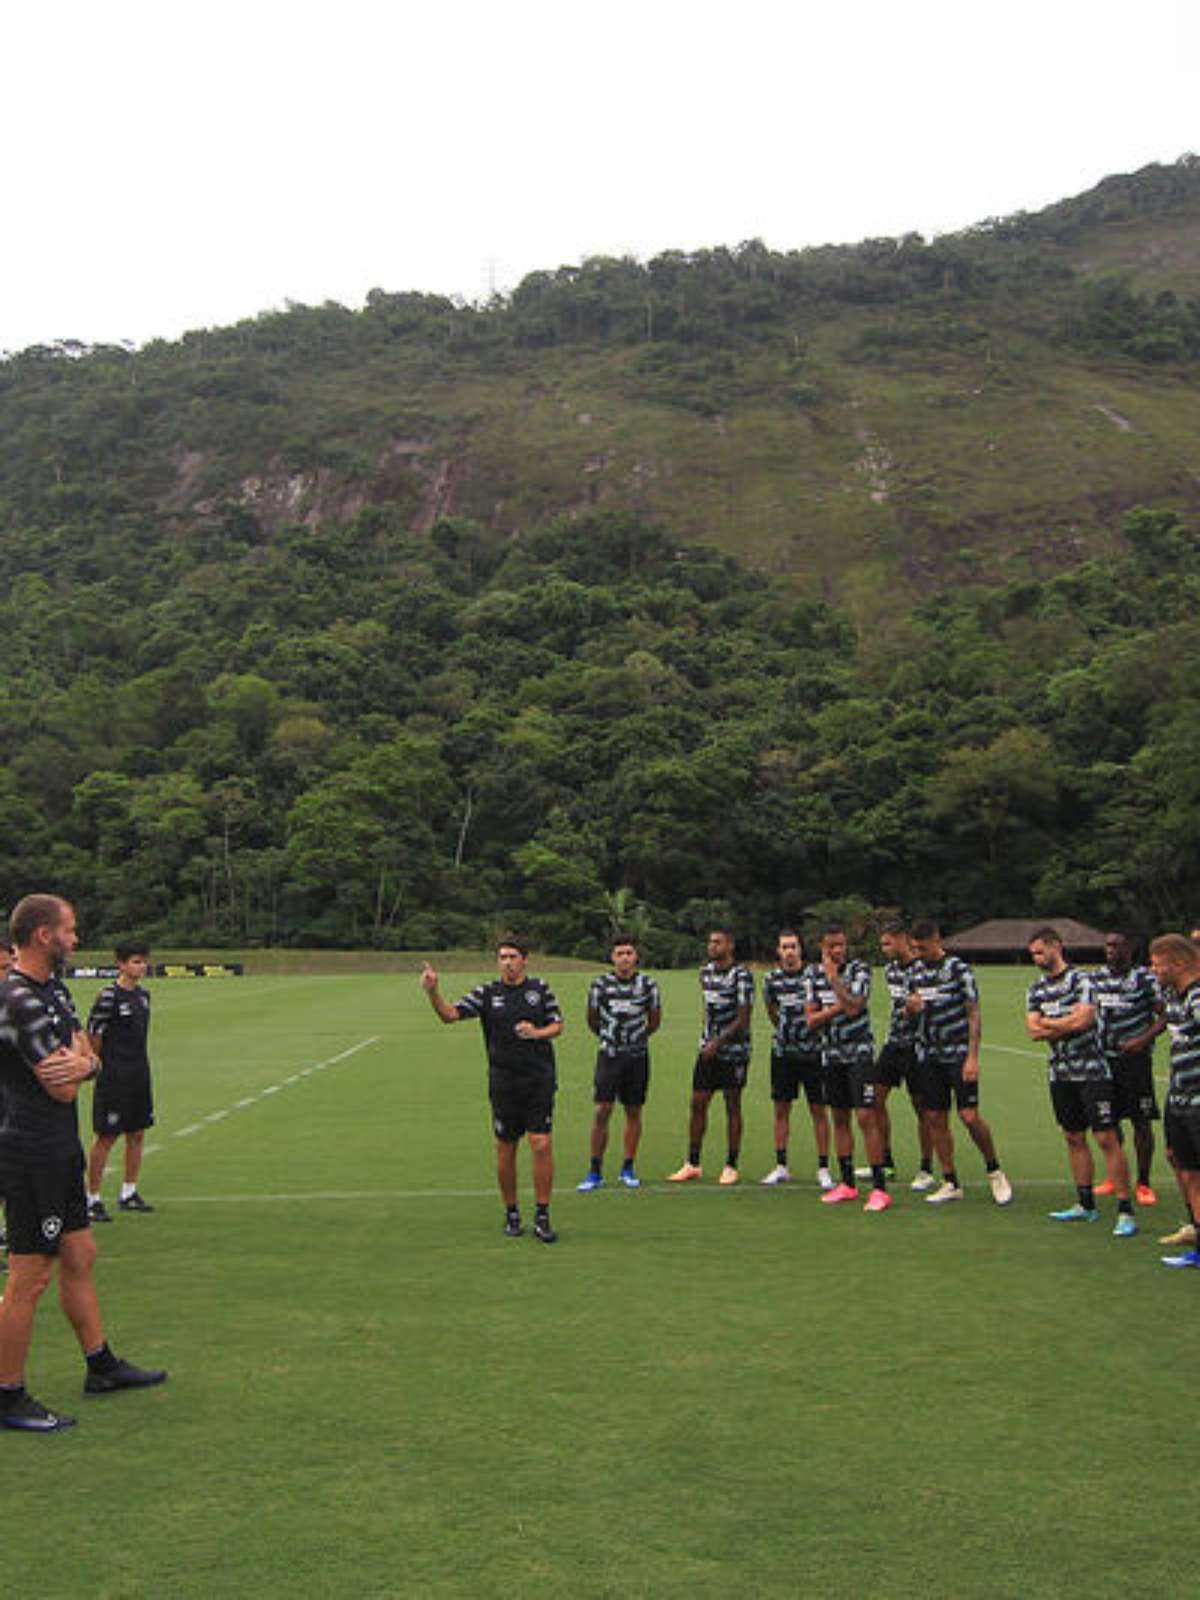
(173, 165)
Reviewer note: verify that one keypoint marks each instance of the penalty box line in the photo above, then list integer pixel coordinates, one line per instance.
(219, 1115)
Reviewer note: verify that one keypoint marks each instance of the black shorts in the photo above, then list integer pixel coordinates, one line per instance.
(122, 1105)
(789, 1071)
(939, 1080)
(522, 1102)
(1133, 1086)
(1182, 1132)
(719, 1073)
(1079, 1106)
(839, 1090)
(897, 1064)
(42, 1201)
(624, 1077)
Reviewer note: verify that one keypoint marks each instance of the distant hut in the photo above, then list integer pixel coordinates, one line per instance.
(1007, 939)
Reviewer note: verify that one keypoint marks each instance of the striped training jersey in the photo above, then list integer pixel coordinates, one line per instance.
(724, 993)
(902, 1028)
(1183, 1025)
(948, 988)
(790, 992)
(844, 1038)
(623, 1007)
(1079, 1058)
(1127, 1003)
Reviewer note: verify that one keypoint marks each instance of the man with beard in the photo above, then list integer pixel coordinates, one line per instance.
(1130, 1013)
(43, 1060)
(1060, 1010)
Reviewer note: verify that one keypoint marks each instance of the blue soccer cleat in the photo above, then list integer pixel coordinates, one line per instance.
(1126, 1227)
(1189, 1258)
(594, 1180)
(1076, 1213)
(629, 1178)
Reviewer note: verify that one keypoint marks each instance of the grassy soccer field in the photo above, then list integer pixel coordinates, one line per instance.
(699, 1392)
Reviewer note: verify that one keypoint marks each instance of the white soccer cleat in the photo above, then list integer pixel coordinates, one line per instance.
(923, 1181)
(944, 1194)
(775, 1176)
(824, 1178)
(1002, 1192)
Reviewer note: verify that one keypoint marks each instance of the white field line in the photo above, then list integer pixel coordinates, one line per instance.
(222, 1112)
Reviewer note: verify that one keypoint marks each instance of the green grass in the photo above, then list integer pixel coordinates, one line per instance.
(704, 1392)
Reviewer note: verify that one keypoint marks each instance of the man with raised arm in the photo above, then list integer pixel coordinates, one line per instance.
(520, 1019)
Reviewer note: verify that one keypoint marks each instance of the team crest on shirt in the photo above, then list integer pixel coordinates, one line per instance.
(532, 997)
(51, 1227)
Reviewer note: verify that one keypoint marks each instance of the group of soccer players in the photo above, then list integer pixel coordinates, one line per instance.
(1100, 1028)
(44, 1057)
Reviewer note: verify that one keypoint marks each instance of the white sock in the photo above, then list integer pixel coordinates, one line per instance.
(93, 1199)
(127, 1189)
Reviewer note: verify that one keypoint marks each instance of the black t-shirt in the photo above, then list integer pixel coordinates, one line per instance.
(121, 1019)
(36, 1019)
(499, 1007)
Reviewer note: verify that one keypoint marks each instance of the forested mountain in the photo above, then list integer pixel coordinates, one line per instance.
(734, 582)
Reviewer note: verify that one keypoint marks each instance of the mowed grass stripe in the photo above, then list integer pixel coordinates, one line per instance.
(697, 1392)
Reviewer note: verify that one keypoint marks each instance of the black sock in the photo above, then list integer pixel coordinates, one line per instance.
(878, 1179)
(513, 1213)
(781, 1155)
(846, 1163)
(1125, 1206)
(10, 1393)
(732, 1161)
(888, 1159)
(101, 1360)
(596, 1161)
(993, 1165)
(951, 1177)
(1087, 1198)
(926, 1163)
(542, 1212)
(693, 1155)
(626, 1165)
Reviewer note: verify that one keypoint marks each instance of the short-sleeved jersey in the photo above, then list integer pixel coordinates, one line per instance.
(623, 1007)
(499, 1007)
(1183, 1026)
(948, 988)
(36, 1019)
(725, 992)
(790, 992)
(845, 1039)
(1127, 1003)
(120, 1017)
(902, 1028)
(1079, 1057)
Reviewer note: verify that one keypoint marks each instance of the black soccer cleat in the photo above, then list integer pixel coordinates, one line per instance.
(123, 1376)
(513, 1227)
(31, 1416)
(134, 1203)
(97, 1212)
(543, 1230)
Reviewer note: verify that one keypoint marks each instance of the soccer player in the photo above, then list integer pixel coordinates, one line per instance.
(1060, 1010)
(795, 1057)
(837, 1010)
(520, 1019)
(945, 1002)
(1175, 962)
(624, 1008)
(41, 1168)
(1130, 1014)
(723, 1061)
(118, 1026)
(897, 1062)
